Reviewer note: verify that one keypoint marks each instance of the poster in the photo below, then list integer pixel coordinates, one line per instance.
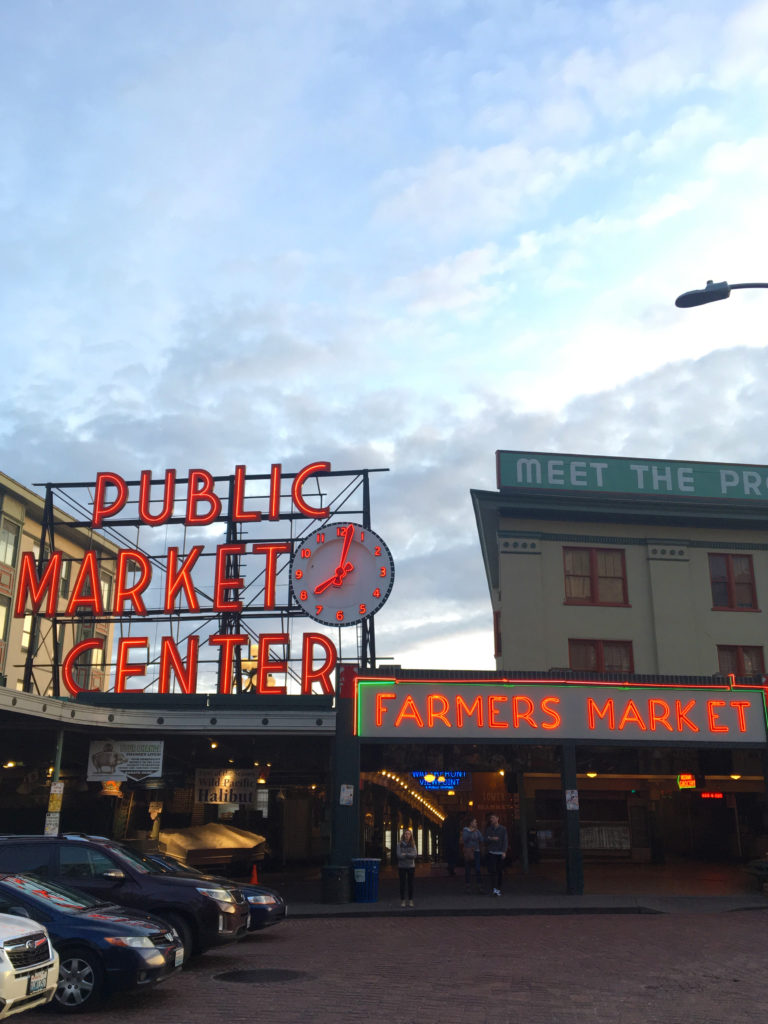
(125, 759)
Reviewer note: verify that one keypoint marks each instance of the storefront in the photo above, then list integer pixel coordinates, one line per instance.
(639, 773)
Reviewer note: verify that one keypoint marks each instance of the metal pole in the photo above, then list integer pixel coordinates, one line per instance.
(57, 755)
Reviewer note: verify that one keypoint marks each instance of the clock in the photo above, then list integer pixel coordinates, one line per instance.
(341, 574)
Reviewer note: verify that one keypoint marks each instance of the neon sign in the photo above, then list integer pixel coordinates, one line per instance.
(439, 780)
(686, 781)
(538, 711)
(190, 585)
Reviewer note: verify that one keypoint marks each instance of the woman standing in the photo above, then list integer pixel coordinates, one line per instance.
(471, 840)
(406, 865)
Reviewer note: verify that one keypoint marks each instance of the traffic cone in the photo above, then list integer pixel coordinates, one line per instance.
(254, 875)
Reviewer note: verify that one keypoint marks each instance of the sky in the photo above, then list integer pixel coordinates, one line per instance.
(398, 235)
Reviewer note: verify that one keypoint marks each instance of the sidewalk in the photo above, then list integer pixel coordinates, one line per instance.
(608, 889)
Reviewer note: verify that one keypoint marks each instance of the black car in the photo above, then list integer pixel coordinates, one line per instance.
(266, 906)
(102, 948)
(204, 914)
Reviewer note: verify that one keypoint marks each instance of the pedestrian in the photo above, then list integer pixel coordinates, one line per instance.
(406, 865)
(496, 846)
(471, 841)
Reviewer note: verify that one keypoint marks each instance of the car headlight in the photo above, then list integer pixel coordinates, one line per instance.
(135, 941)
(222, 895)
(262, 897)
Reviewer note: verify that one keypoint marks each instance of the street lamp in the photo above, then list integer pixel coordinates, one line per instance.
(711, 293)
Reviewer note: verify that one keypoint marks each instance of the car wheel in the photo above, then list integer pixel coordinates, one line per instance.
(178, 923)
(81, 981)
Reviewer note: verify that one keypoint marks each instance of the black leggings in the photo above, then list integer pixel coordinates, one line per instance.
(406, 881)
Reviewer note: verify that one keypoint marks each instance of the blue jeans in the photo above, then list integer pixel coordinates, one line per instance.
(470, 865)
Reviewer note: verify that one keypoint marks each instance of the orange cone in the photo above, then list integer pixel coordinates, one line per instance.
(254, 875)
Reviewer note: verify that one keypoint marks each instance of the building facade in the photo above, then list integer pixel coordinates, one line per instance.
(27, 642)
(630, 573)
(587, 579)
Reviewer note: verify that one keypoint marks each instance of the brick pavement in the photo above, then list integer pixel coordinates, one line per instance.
(574, 969)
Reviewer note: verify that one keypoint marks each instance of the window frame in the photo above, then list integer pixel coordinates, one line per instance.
(594, 577)
(731, 582)
(600, 652)
(739, 649)
(6, 525)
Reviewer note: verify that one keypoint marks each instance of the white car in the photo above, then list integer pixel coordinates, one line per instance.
(29, 965)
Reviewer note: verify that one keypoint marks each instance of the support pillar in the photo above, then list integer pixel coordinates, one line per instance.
(345, 814)
(574, 869)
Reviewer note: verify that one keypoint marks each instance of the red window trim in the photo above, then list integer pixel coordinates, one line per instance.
(592, 601)
(497, 634)
(600, 655)
(739, 648)
(729, 556)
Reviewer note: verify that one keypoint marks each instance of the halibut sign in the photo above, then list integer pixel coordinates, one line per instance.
(543, 712)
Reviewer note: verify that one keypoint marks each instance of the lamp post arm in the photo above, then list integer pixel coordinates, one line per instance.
(712, 293)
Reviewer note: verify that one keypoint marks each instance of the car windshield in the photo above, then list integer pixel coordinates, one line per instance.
(139, 863)
(48, 894)
(171, 866)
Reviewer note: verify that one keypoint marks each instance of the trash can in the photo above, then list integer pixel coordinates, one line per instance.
(336, 884)
(365, 879)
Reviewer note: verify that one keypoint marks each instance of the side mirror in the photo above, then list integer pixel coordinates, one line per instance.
(115, 875)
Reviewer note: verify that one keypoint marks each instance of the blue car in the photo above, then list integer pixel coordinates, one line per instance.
(266, 907)
(102, 948)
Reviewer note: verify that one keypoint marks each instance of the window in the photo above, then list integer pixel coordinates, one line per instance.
(65, 578)
(601, 655)
(5, 609)
(740, 661)
(29, 633)
(9, 542)
(732, 579)
(595, 576)
(105, 580)
(82, 862)
(30, 857)
(497, 634)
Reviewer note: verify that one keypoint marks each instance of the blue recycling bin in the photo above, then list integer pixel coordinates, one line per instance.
(365, 879)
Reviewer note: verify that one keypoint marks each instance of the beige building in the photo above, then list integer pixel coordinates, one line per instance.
(652, 575)
(647, 580)
(27, 643)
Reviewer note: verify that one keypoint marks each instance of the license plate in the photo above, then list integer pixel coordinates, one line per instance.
(37, 982)
(179, 957)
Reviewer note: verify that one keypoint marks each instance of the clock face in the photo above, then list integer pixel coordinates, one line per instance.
(342, 573)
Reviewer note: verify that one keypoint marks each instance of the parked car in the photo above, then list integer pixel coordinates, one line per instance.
(102, 948)
(29, 965)
(266, 907)
(203, 914)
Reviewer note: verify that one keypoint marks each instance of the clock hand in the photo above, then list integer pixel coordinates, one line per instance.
(349, 533)
(335, 580)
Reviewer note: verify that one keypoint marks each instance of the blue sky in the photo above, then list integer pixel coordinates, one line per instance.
(397, 235)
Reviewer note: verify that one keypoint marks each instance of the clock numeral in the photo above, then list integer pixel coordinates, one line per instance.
(377, 551)
(320, 538)
(303, 595)
(383, 571)
(363, 610)
(376, 593)
(361, 536)
(306, 553)
(341, 531)
(318, 609)
(339, 615)
(299, 574)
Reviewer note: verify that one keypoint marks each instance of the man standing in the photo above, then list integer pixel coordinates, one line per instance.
(496, 846)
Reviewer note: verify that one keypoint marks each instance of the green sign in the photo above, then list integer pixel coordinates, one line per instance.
(647, 477)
